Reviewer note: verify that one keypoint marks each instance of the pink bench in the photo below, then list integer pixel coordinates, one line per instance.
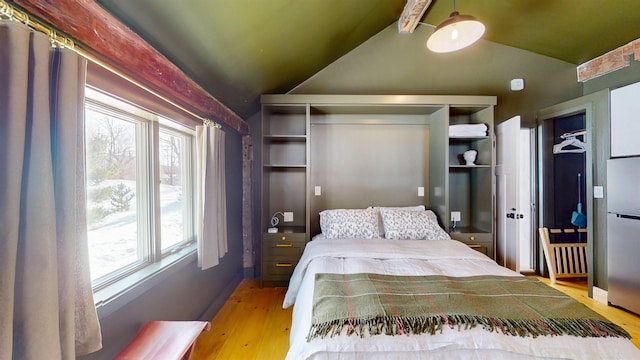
(164, 340)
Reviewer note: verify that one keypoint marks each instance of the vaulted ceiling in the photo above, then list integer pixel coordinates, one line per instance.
(239, 49)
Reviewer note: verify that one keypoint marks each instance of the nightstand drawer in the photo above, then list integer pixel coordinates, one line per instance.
(480, 248)
(281, 252)
(276, 270)
(295, 239)
(282, 246)
(473, 238)
(482, 242)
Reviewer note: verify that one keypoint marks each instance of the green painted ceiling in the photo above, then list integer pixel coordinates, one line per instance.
(239, 49)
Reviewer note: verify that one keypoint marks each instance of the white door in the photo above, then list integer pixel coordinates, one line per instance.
(508, 199)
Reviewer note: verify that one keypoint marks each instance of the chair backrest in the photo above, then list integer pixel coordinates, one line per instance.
(564, 260)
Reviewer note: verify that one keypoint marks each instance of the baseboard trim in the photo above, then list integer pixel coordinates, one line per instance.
(249, 273)
(600, 295)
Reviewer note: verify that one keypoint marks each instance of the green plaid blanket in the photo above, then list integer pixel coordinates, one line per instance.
(395, 305)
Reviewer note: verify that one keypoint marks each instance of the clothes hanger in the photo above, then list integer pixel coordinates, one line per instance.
(570, 139)
(573, 133)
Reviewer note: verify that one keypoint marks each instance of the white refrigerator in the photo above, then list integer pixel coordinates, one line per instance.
(623, 232)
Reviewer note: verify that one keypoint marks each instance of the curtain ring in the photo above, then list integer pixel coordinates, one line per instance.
(209, 123)
(53, 39)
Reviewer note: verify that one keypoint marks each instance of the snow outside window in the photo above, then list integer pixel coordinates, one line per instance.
(139, 187)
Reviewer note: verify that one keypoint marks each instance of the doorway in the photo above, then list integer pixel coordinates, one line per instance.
(563, 178)
(595, 108)
(563, 154)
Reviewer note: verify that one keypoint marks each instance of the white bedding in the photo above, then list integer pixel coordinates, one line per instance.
(421, 257)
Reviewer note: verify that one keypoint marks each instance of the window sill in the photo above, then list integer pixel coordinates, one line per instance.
(120, 293)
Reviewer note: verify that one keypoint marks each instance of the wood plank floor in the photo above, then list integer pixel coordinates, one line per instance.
(253, 325)
(250, 325)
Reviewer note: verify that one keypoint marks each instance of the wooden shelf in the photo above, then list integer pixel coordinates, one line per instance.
(469, 166)
(301, 166)
(286, 137)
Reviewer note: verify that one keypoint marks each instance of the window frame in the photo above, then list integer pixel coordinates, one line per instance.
(109, 289)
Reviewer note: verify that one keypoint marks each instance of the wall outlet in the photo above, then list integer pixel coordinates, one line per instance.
(288, 216)
(455, 216)
(420, 191)
(317, 190)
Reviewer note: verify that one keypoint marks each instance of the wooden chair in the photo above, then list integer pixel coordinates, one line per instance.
(564, 260)
(167, 340)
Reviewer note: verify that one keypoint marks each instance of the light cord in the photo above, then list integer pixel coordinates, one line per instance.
(274, 219)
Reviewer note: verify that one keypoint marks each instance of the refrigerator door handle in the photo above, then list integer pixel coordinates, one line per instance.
(632, 217)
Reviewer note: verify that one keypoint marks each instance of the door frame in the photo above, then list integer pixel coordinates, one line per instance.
(533, 193)
(596, 109)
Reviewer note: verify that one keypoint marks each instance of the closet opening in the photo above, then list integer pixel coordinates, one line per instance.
(563, 151)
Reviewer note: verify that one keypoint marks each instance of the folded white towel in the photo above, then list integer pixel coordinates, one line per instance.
(468, 130)
(467, 133)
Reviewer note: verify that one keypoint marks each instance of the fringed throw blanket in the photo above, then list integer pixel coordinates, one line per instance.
(396, 305)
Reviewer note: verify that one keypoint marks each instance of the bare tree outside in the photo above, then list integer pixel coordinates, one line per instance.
(111, 190)
(111, 148)
(171, 201)
(170, 154)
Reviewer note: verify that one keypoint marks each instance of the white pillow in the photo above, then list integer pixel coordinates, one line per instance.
(411, 225)
(349, 223)
(408, 208)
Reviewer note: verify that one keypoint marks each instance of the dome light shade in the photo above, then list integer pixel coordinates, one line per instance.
(455, 33)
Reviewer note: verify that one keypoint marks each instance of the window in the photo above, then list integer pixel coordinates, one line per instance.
(174, 174)
(139, 187)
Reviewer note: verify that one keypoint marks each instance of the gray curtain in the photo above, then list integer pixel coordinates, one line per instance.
(211, 221)
(46, 301)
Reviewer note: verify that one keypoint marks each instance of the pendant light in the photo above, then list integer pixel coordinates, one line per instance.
(455, 33)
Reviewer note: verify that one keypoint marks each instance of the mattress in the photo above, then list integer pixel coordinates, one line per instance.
(421, 257)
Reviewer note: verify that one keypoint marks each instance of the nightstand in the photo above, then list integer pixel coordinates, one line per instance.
(280, 254)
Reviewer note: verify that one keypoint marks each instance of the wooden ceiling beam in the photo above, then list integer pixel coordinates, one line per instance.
(411, 15)
(106, 38)
(611, 61)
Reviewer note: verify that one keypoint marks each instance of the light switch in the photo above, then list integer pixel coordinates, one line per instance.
(288, 216)
(317, 191)
(598, 192)
(420, 191)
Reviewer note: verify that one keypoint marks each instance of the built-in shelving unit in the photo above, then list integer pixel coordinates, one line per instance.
(471, 187)
(373, 150)
(285, 181)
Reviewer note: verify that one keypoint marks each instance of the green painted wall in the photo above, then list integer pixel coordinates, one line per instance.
(393, 63)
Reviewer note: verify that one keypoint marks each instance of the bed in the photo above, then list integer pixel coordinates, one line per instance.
(399, 246)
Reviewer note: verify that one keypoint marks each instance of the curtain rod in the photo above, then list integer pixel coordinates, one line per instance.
(12, 13)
